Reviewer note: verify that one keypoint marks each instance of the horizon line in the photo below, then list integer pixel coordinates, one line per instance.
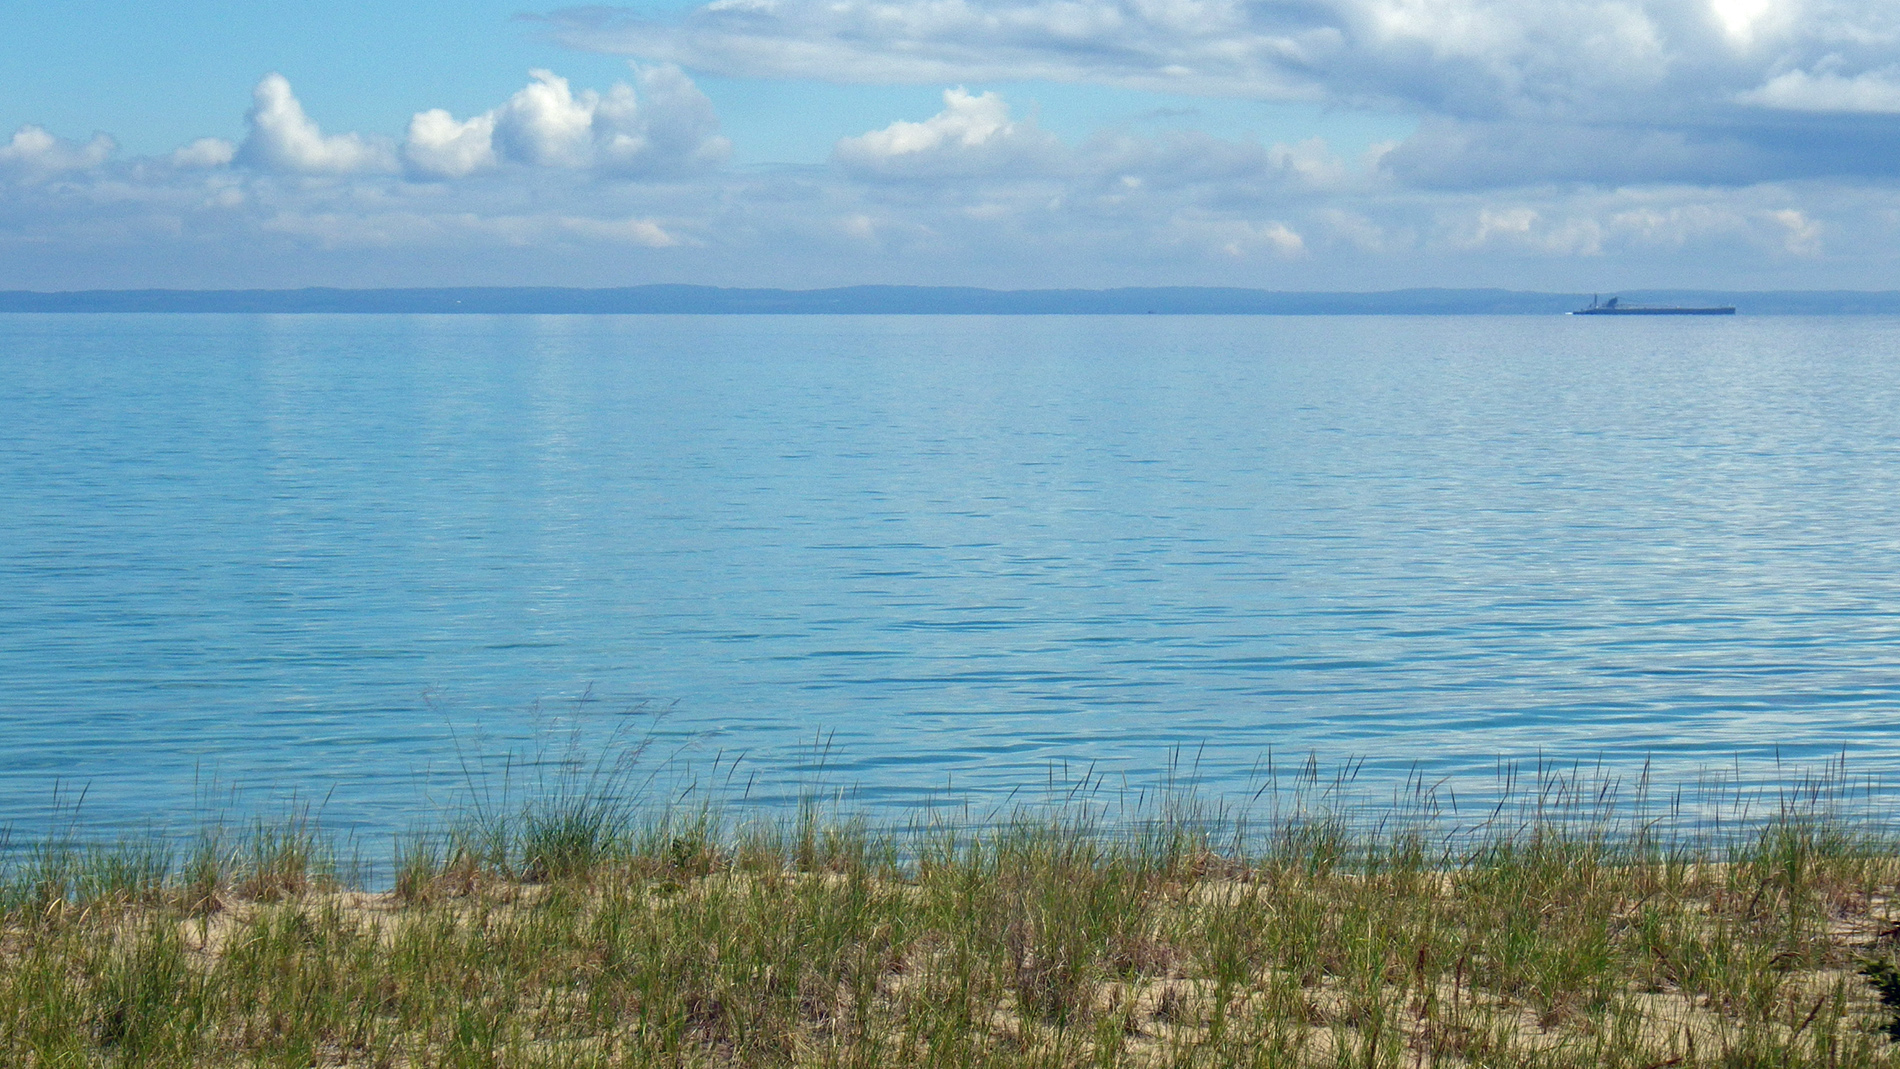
(898, 299)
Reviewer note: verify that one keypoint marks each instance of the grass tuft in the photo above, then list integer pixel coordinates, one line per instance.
(573, 927)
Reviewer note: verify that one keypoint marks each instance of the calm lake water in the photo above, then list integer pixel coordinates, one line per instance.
(360, 558)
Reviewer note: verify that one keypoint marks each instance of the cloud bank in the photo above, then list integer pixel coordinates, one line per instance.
(1479, 59)
(1675, 77)
(1523, 172)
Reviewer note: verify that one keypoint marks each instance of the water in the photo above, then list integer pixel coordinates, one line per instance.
(356, 557)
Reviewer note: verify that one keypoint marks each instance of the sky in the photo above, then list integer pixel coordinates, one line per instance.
(1566, 145)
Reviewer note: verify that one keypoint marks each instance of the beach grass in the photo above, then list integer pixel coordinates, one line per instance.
(577, 929)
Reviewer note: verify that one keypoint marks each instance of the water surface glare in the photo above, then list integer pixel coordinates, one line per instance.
(343, 554)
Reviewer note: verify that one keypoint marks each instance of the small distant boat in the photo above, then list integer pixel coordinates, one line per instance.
(1612, 307)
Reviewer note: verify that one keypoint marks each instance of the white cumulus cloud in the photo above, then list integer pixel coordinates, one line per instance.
(440, 147)
(965, 122)
(665, 127)
(544, 123)
(283, 138)
(971, 133)
(32, 153)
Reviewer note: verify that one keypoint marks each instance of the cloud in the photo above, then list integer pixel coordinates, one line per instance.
(1803, 235)
(642, 232)
(1477, 57)
(398, 228)
(976, 136)
(284, 139)
(973, 180)
(1352, 229)
(1704, 88)
(1240, 168)
(1869, 92)
(1150, 44)
(1240, 239)
(666, 128)
(1756, 223)
(1528, 229)
(34, 154)
(1456, 154)
(671, 129)
(543, 123)
(205, 152)
(1459, 154)
(973, 133)
(440, 147)
(966, 122)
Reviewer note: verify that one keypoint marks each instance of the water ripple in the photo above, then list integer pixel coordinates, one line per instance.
(351, 555)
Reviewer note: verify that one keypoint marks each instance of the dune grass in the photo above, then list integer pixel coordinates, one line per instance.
(578, 930)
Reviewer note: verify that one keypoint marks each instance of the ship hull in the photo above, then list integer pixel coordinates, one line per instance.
(1654, 312)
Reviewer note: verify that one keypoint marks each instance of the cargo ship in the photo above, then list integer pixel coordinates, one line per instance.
(1612, 307)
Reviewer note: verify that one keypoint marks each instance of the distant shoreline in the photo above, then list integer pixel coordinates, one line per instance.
(918, 300)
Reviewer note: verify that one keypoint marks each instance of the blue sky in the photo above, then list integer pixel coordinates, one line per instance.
(1295, 144)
